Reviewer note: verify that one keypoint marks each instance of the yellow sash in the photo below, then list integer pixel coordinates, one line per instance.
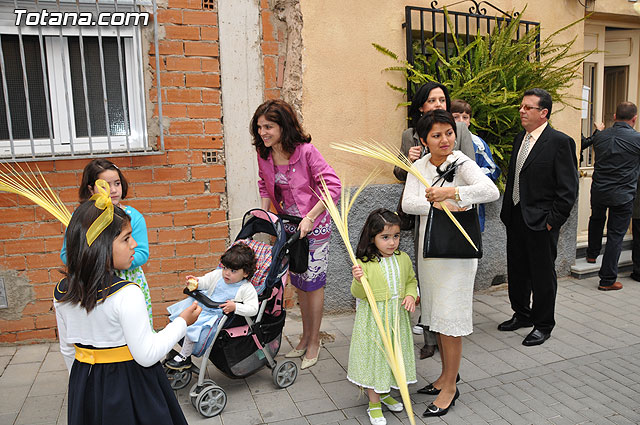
(103, 355)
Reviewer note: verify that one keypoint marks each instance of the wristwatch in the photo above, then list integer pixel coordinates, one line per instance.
(457, 193)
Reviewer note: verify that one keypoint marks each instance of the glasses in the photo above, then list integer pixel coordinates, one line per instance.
(528, 108)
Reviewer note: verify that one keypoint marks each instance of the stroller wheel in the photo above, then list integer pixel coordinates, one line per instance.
(285, 374)
(211, 401)
(196, 390)
(178, 379)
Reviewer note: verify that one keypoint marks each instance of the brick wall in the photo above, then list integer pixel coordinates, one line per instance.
(180, 197)
(273, 51)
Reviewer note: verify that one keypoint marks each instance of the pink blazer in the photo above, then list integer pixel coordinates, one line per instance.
(306, 166)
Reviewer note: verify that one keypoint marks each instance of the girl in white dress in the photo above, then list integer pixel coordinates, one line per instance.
(446, 284)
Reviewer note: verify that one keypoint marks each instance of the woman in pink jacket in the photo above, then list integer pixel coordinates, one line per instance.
(290, 169)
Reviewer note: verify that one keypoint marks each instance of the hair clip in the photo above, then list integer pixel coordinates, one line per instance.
(102, 202)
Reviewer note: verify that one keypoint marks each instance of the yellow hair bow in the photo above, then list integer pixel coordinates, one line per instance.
(103, 202)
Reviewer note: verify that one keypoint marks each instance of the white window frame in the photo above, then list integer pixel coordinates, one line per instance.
(56, 44)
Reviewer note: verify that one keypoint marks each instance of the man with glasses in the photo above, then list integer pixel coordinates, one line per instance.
(542, 186)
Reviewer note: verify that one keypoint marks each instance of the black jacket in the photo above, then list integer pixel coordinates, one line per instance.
(617, 165)
(548, 181)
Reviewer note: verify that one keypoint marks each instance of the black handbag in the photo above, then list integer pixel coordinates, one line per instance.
(298, 250)
(442, 238)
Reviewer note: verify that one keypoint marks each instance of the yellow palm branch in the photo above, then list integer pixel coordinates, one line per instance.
(393, 156)
(35, 188)
(391, 343)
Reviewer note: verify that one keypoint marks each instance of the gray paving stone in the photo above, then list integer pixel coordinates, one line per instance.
(248, 417)
(327, 417)
(296, 421)
(316, 405)
(306, 387)
(30, 353)
(344, 394)
(484, 412)
(7, 350)
(13, 398)
(328, 371)
(276, 406)
(195, 418)
(19, 374)
(40, 410)
(4, 361)
(52, 362)
(47, 383)
(511, 416)
(8, 418)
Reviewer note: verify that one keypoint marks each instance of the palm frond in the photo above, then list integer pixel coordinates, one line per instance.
(35, 188)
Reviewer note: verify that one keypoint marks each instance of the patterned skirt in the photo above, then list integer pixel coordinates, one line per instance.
(316, 275)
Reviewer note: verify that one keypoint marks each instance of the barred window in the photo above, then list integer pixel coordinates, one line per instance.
(67, 90)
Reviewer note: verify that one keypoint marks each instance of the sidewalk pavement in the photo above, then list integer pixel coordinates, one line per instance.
(587, 373)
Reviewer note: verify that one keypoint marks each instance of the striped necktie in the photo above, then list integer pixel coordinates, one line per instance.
(522, 157)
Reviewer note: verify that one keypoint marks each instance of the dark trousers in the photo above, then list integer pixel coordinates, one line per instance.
(617, 225)
(635, 253)
(531, 257)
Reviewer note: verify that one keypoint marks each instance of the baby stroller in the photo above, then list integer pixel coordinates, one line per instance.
(241, 345)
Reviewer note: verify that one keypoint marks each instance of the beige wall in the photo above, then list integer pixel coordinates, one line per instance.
(345, 95)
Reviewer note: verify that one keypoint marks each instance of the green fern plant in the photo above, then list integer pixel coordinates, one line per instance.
(492, 73)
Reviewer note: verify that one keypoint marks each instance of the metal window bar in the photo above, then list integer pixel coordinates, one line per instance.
(67, 92)
(477, 14)
(105, 102)
(144, 146)
(125, 106)
(45, 82)
(26, 84)
(84, 82)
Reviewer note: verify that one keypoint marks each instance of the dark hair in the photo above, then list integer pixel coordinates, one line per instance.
(545, 101)
(626, 111)
(281, 113)
(459, 106)
(366, 249)
(427, 121)
(90, 268)
(240, 257)
(90, 174)
(421, 96)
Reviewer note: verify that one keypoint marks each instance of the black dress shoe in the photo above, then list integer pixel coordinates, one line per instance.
(513, 324)
(431, 390)
(433, 410)
(536, 337)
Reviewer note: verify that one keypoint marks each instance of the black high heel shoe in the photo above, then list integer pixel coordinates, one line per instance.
(433, 410)
(431, 390)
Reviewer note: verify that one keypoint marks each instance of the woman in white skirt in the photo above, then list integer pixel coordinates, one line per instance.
(446, 284)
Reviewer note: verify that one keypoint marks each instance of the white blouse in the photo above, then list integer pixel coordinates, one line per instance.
(122, 319)
(474, 186)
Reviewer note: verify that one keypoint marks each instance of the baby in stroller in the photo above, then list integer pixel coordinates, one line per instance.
(229, 285)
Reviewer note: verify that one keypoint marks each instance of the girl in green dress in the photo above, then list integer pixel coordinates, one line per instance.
(393, 282)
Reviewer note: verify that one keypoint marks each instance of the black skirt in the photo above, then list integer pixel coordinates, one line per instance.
(121, 393)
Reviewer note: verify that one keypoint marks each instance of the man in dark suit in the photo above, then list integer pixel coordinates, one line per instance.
(615, 177)
(542, 186)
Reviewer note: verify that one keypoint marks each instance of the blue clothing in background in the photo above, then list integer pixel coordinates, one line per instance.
(139, 234)
(488, 167)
